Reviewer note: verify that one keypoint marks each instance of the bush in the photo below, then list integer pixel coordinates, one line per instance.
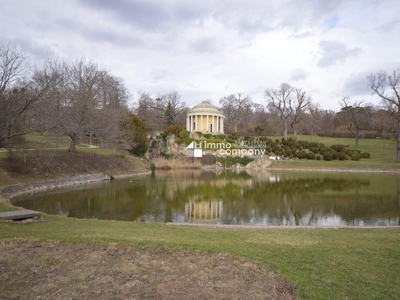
(342, 156)
(355, 157)
(310, 155)
(322, 150)
(300, 155)
(248, 138)
(245, 160)
(208, 159)
(288, 152)
(318, 157)
(366, 155)
(233, 136)
(327, 156)
(230, 161)
(207, 135)
(184, 134)
(276, 149)
(152, 167)
(335, 155)
(338, 147)
(314, 149)
(174, 129)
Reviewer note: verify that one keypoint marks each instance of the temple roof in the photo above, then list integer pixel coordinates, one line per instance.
(205, 107)
(205, 104)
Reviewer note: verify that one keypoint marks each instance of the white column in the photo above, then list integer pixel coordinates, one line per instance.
(218, 124)
(208, 128)
(222, 125)
(201, 129)
(191, 123)
(187, 123)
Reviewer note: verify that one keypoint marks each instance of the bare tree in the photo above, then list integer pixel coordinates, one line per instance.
(354, 115)
(20, 92)
(314, 117)
(169, 108)
(300, 106)
(144, 109)
(236, 107)
(387, 87)
(81, 88)
(281, 101)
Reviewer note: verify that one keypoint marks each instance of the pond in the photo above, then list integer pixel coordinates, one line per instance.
(247, 198)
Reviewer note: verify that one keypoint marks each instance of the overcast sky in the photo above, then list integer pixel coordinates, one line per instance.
(209, 49)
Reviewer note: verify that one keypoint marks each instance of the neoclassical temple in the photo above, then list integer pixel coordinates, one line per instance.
(205, 117)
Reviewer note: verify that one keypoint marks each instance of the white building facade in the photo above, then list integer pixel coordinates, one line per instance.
(206, 118)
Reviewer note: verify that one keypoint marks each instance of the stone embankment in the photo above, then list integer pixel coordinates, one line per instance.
(19, 189)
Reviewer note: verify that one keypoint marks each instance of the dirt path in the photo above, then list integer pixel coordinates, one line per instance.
(35, 270)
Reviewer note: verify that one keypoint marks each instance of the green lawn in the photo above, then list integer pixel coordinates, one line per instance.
(322, 263)
(383, 155)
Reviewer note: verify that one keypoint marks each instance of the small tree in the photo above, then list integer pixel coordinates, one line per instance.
(355, 116)
(300, 105)
(133, 134)
(387, 87)
(236, 108)
(281, 101)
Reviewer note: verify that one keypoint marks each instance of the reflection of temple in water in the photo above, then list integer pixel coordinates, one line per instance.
(208, 211)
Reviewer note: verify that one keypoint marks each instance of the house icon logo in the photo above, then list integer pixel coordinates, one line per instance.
(194, 150)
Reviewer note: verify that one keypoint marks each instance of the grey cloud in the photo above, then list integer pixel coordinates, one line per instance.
(205, 45)
(160, 74)
(33, 49)
(251, 17)
(388, 26)
(302, 35)
(151, 15)
(257, 16)
(298, 74)
(335, 51)
(357, 84)
(102, 35)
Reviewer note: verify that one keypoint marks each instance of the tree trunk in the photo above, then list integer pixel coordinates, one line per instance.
(398, 138)
(357, 137)
(73, 143)
(295, 134)
(285, 130)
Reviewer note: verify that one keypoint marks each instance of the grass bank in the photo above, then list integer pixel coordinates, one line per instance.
(383, 155)
(322, 263)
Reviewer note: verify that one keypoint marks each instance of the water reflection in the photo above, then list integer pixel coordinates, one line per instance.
(254, 198)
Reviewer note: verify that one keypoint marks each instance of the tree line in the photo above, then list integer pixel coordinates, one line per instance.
(81, 100)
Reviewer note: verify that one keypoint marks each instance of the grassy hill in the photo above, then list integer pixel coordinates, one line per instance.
(383, 155)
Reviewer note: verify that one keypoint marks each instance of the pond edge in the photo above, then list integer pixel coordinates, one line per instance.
(11, 191)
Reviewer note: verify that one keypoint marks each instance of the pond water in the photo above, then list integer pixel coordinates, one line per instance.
(248, 198)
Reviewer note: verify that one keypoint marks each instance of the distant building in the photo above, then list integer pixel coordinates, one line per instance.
(206, 118)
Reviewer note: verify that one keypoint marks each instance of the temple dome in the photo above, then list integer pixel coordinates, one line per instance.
(205, 106)
(205, 117)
